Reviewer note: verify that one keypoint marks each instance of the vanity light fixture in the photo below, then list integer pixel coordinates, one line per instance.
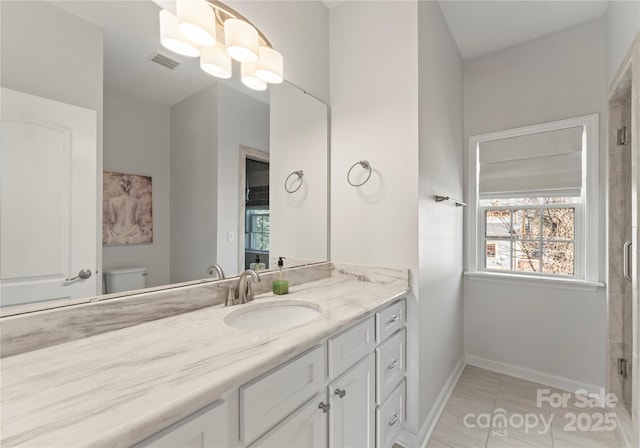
(249, 78)
(197, 21)
(218, 34)
(242, 41)
(216, 62)
(172, 39)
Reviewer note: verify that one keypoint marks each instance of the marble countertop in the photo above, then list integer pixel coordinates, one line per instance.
(117, 388)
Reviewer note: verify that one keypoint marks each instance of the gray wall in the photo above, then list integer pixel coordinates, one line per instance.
(300, 31)
(557, 332)
(299, 137)
(623, 23)
(193, 180)
(242, 120)
(137, 141)
(441, 225)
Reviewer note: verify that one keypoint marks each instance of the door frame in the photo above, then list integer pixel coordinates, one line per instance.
(245, 152)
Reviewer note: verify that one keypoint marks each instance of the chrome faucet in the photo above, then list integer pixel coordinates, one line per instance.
(217, 269)
(243, 292)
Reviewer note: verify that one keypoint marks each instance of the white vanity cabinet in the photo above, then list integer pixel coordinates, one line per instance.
(270, 398)
(390, 373)
(305, 428)
(352, 407)
(348, 391)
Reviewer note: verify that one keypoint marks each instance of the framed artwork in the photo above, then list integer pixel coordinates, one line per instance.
(127, 209)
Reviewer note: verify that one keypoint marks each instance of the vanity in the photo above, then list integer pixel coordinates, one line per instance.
(191, 379)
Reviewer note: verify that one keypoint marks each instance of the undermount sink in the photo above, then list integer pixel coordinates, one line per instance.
(272, 315)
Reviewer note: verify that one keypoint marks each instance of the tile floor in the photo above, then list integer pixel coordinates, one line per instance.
(485, 393)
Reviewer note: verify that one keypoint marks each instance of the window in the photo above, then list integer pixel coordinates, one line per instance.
(530, 235)
(257, 230)
(533, 201)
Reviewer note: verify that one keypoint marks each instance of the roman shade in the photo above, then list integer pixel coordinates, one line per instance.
(542, 164)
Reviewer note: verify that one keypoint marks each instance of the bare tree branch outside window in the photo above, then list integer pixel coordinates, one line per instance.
(534, 236)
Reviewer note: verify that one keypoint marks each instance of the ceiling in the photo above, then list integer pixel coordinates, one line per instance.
(481, 27)
(131, 37)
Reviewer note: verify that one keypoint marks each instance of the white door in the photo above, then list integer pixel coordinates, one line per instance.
(352, 412)
(48, 186)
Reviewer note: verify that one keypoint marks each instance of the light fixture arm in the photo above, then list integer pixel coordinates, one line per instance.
(224, 12)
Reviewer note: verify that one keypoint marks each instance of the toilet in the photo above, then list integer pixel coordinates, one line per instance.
(125, 279)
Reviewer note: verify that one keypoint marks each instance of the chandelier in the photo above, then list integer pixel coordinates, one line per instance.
(217, 34)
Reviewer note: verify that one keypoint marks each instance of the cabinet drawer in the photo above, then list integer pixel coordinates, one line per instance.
(270, 398)
(390, 365)
(351, 346)
(306, 428)
(390, 418)
(205, 428)
(390, 320)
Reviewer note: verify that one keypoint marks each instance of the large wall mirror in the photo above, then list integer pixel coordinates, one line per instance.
(189, 171)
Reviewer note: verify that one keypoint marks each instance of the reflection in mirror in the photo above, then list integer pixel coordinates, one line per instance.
(185, 144)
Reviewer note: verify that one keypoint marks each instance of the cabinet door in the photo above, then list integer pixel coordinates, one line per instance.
(268, 399)
(352, 407)
(305, 428)
(204, 429)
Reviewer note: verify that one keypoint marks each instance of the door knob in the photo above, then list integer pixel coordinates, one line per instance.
(340, 393)
(82, 275)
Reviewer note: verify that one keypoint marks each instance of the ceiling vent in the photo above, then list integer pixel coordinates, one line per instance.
(164, 60)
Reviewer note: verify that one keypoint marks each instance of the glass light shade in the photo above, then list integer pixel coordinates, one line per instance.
(172, 39)
(216, 62)
(249, 78)
(269, 67)
(197, 21)
(241, 40)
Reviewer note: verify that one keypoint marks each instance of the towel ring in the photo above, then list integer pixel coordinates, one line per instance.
(364, 164)
(298, 173)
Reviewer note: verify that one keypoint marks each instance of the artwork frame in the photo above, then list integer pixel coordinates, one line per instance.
(127, 209)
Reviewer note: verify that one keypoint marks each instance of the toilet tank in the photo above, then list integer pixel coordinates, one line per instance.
(125, 279)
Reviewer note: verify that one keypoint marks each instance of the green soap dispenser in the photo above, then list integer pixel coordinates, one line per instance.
(280, 286)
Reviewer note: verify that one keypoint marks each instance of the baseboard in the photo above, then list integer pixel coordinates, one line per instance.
(536, 376)
(411, 440)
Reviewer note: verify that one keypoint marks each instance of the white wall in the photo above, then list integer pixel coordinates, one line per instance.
(137, 141)
(242, 120)
(622, 25)
(441, 158)
(194, 179)
(300, 31)
(50, 53)
(374, 117)
(554, 331)
(299, 138)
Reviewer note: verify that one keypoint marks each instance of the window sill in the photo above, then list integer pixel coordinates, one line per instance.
(531, 280)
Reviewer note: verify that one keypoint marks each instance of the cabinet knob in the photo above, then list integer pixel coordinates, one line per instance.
(340, 393)
(394, 420)
(392, 365)
(393, 318)
(324, 407)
